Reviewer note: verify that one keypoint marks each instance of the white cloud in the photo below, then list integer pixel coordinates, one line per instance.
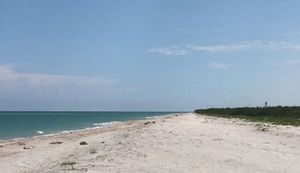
(287, 34)
(242, 46)
(219, 48)
(218, 65)
(173, 50)
(249, 45)
(292, 34)
(293, 62)
(206, 30)
(11, 78)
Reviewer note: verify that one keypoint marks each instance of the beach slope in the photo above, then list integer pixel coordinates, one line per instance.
(175, 143)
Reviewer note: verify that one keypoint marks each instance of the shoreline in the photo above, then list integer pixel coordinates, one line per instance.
(96, 126)
(183, 142)
(60, 133)
(88, 129)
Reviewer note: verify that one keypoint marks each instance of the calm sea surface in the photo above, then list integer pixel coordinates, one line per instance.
(26, 124)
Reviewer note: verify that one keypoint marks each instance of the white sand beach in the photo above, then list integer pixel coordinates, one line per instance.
(181, 143)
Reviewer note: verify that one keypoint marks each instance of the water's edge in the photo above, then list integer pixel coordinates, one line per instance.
(95, 126)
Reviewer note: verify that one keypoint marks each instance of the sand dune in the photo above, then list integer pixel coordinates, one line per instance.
(181, 143)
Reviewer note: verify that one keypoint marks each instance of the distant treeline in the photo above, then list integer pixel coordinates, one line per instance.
(288, 115)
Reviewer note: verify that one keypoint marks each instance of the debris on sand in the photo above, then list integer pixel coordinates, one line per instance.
(93, 151)
(21, 143)
(149, 122)
(68, 163)
(56, 142)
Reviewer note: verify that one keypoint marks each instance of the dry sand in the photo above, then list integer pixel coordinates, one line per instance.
(184, 143)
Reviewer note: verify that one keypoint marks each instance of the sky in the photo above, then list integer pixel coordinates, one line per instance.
(156, 55)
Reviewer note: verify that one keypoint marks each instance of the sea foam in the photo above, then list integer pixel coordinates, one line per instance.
(40, 132)
(106, 123)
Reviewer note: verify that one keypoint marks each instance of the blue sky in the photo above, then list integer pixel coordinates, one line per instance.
(148, 55)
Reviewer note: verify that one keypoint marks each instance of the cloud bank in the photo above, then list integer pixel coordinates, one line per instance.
(42, 91)
(172, 50)
(9, 77)
(242, 46)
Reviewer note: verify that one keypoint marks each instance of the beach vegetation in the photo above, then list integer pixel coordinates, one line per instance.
(283, 115)
(83, 143)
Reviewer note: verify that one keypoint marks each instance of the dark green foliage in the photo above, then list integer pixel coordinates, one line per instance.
(285, 115)
(83, 143)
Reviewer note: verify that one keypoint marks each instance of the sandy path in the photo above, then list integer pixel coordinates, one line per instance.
(185, 143)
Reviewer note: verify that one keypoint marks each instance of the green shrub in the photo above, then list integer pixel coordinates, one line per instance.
(83, 143)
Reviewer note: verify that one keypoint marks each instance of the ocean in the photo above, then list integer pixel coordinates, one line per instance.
(28, 124)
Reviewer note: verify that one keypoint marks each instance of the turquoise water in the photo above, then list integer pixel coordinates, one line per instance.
(26, 124)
